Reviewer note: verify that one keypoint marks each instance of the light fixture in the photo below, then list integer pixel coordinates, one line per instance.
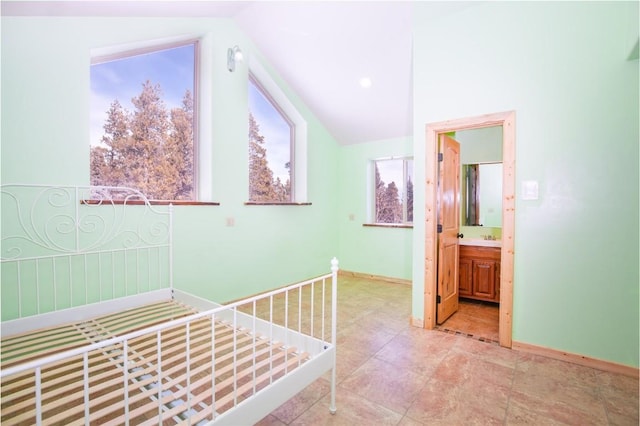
(365, 82)
(233, 54)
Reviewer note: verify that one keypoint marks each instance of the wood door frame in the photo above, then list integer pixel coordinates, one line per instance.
(433, 130)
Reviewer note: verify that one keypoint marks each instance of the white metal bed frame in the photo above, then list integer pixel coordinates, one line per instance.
(190, 377)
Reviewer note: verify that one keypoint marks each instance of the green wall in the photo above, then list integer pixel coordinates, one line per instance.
(563, 68)
(45, 139)
(480, 145)
(373, 250)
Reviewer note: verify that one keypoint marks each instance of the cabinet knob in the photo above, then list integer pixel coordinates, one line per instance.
(460, 235)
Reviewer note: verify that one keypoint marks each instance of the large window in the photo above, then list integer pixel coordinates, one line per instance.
(271, 141)
(393, 191)
(143, 119)
(277, 142)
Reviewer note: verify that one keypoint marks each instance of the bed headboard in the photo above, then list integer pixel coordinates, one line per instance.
(69, 246)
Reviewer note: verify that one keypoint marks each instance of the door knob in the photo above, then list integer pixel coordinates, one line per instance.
(460, 235)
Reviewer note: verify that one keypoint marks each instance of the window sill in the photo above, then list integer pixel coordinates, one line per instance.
(151, 202)
(389, 225)
(258, 203)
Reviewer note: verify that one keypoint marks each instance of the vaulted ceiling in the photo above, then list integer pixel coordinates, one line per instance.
(322, 49)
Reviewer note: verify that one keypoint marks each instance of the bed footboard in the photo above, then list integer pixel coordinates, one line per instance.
(231, 364)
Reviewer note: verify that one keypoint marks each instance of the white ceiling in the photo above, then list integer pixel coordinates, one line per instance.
(321, 49)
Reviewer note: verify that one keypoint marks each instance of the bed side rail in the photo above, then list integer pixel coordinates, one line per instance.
(68, 246)
(197, 367)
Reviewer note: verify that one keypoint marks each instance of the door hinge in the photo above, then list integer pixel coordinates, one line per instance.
(440, 156)
(438, 299)
(439, 228)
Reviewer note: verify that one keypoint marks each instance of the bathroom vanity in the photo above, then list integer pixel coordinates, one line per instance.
(479, 270)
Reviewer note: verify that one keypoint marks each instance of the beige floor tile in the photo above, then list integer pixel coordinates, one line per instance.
(304, 400)
(352, 410)
(566, 372)
(544, 388)
(487, 352)
(537, 409)
(352, 337)
(620, 395)
(347, 361)
(391, 373)
(270, 420)
(445, 403)
(407, 421)
(386, 384)
(417, 350)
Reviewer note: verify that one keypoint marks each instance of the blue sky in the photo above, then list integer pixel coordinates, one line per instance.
(276, 132)
(122, 79)
(173, 69)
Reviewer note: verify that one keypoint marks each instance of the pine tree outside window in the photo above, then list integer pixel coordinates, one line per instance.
(271, 142)
(393, 187)
(143, 119)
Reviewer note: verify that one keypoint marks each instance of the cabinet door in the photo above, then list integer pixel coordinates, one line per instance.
(484, 279)
(464, 283)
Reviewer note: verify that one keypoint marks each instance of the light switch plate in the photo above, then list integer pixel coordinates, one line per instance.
(530, 190)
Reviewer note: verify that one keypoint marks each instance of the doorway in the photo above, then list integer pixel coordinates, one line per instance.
(507, 121)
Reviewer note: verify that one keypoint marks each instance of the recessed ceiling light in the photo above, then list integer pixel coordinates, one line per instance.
(365, 82)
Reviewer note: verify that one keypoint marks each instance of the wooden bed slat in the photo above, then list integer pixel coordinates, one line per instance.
(15, 350)
(173, 350)
(63, 391)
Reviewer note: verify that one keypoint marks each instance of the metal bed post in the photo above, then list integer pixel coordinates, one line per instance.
(171, 249)
(334, 317)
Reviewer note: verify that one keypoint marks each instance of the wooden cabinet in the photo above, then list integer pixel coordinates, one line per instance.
(479, 273)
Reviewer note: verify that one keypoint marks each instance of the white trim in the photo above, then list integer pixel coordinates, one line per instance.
(371, 189)
(110, 53)
(205, 124)
(300, 127)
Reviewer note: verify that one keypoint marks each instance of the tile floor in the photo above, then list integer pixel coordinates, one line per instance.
(390, 373)
(475, 319)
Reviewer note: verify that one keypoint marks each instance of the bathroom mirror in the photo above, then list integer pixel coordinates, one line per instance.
(481, 195)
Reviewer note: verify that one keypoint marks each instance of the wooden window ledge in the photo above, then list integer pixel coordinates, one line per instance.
(151, 202)
(389, 225)
(259, 203)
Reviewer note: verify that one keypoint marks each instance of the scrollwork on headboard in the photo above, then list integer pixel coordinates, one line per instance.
(64, 220)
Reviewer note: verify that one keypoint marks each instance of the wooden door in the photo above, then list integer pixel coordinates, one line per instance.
(448, 220)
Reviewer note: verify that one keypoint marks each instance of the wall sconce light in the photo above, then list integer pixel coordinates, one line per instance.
(233, 54)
